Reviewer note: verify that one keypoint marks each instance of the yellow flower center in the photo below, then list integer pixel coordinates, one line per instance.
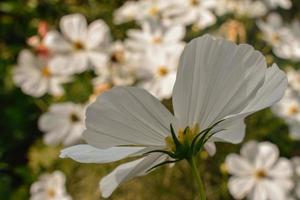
(163, 71)
(46, 72)
(157, 40)
(194, 2)
(293, 110)
(183, 137)
(74, 117)
(153, 11)
(260, 174)
(117, 56)
(78, 45)
(51, 192)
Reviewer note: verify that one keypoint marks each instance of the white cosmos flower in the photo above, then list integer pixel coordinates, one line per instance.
(216, 80)
(296, 165)
(50, 187)
(196, 12)
(160, 67)
(286, 4)
(154, 34)
(63, 123)
(38, 75)
(142, 10)
(80, 44)
(258, 173)
(241, 8)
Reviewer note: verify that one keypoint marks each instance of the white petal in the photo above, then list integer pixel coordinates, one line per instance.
(128, 171)
(210, 147)
(99, 60)
(56, 43)
(174, 34)
(238, 165)
(78, 62)
(215, 78)
(88, 154)
(97, 34)
(274, 191)
(250, 151)
(282, 169)
(239, 187)
(266, 156)
(127, 116)
(74, 26)
(260, 192)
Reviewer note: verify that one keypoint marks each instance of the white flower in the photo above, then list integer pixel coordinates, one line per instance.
(294, 79)
(154, 34)
(50, 187)
(247, 8)
(160, 68)
(63, 123)
(142, 10)
(286, 4)
(81, 45)
(258, 173)
(216, 80)
(296, 165)
(196, 12)
(38, 75)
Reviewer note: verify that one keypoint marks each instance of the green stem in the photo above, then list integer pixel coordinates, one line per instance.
(196, 175)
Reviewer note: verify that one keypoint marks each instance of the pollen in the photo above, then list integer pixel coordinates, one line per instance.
(46, 72)
(117, 56)
(153, 11)
(51, 193)
(163, 71)
(293, 109)
(184, 137)
(260, 174)
(74, 117)
(78, 45)
(194, 2)
(156, 40)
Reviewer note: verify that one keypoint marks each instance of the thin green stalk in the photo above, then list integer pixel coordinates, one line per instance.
(196, 175)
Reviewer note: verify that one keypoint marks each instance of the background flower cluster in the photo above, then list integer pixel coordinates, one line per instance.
(58, 56)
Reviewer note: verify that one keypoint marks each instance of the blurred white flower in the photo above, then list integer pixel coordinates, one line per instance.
(296, 165)
(63, 123)
(37, 75)
(284, 38)
(154, 34)
(241, 8)
(81, 45)
(259, 173)
(216, 80)
(191, 12)
(288, 108)
(286, 4)
(50, 187)
(159, 69)
(142, 10)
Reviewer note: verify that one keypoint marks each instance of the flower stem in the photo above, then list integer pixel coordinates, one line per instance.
(196, 175)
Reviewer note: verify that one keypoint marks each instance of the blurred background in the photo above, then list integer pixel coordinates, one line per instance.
(25, 153)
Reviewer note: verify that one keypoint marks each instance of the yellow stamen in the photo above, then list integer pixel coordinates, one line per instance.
(163, 71)
(74, 117)
(260, 174)
(156, 40)
(46, 71)
(293, 110)
(153, 11)
(78, 45)
(118, 56)
(51, 193)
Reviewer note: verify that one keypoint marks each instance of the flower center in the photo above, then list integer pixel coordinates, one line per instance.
(74, 117)
(156, 40)
(78, 45)
(117, 57)
(194, 2)
(163, 71)
(51, 192)
(260, 174)
(184, 137)
(293, 110)
(153, 11)
(46, 72)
